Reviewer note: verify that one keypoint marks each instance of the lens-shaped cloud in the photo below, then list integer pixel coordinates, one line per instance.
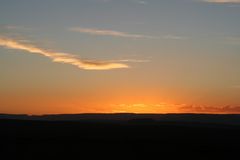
(61, 57)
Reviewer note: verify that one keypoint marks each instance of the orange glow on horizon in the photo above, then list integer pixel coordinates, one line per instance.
(145, 108)
(56, 105)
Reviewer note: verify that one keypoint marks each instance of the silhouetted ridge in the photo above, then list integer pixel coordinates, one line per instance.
(230, 119)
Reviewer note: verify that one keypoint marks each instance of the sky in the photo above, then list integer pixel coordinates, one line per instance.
(111, 56)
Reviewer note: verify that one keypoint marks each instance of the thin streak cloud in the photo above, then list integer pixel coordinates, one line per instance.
(222, 1)
(61, 57)
(140, 2)
(113, 33)
(173, 37)
(132, 60)
(236, 86)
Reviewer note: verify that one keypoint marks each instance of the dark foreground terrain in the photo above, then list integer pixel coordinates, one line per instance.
(141, 138)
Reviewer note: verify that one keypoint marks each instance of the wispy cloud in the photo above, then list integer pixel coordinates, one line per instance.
(15, 28)
(113, 33)
(60, 57)
(233, 40)
(222, 1)
(135, 1)
(236, 86)
(11, 27)
(174, 37)
(140, 2)
(131, 60)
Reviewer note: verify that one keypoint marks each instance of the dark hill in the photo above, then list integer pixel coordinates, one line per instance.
(119, 137)
(229, 119)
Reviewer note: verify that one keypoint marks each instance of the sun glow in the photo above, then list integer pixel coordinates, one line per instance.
(146, 108)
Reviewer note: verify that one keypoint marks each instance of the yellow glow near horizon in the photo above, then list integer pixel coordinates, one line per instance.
(145, 108)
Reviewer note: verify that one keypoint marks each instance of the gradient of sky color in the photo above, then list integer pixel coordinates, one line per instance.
(152, 56)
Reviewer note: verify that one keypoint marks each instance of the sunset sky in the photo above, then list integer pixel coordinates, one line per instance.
(110, 56)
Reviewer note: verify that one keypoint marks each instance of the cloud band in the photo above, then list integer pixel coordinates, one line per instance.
(61, 57)
(101, 32)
